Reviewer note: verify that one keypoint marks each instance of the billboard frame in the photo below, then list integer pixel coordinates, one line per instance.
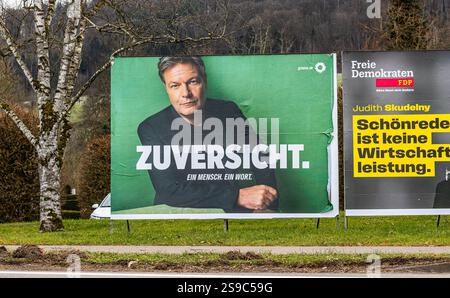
(381, 212)
(332, 185)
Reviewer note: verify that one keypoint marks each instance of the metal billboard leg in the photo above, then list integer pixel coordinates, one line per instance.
(225, 225)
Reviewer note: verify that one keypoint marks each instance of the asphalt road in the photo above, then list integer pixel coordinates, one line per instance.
(62, 274)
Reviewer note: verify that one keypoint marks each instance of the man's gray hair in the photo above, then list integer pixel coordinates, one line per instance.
(167, 62)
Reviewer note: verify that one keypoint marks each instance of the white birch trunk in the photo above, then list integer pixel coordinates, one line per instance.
(50, 206)
(49, 161)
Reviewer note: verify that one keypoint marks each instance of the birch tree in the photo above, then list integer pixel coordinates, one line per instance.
(56, 87)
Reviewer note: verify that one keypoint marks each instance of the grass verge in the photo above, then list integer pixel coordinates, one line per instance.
(367, 231)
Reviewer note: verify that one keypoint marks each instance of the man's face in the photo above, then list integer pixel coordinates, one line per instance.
(185, 88)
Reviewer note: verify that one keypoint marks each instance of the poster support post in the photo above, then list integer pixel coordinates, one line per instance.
(225, 225)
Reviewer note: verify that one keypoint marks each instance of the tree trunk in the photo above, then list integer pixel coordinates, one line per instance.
(50, 207)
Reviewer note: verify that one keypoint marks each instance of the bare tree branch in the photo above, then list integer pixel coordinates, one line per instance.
(42, 50)
(111, 28)
(98, 5)
(19, 123)
(6, 35)
(74, 65)
(69, 50)
(49, 16)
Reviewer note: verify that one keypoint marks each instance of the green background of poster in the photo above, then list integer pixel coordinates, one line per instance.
(277, 86)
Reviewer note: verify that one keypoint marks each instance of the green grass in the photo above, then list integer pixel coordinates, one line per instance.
(401, 230)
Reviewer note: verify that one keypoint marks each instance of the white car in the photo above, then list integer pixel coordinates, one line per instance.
(102, 211)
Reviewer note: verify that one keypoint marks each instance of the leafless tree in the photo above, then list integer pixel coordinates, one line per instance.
(44, 29)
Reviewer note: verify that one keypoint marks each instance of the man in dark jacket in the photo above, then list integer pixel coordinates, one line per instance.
(185, 81)
(442, 194)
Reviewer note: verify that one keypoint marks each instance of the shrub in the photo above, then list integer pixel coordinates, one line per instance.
(70, 214)
(94, 174)
(19, 178)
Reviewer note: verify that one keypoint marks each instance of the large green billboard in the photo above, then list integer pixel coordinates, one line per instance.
(224, 137)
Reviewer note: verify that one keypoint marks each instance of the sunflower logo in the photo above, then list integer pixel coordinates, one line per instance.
(320, 67)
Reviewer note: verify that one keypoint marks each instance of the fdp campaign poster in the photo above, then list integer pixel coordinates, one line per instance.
(397, 132)
(224, 137)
